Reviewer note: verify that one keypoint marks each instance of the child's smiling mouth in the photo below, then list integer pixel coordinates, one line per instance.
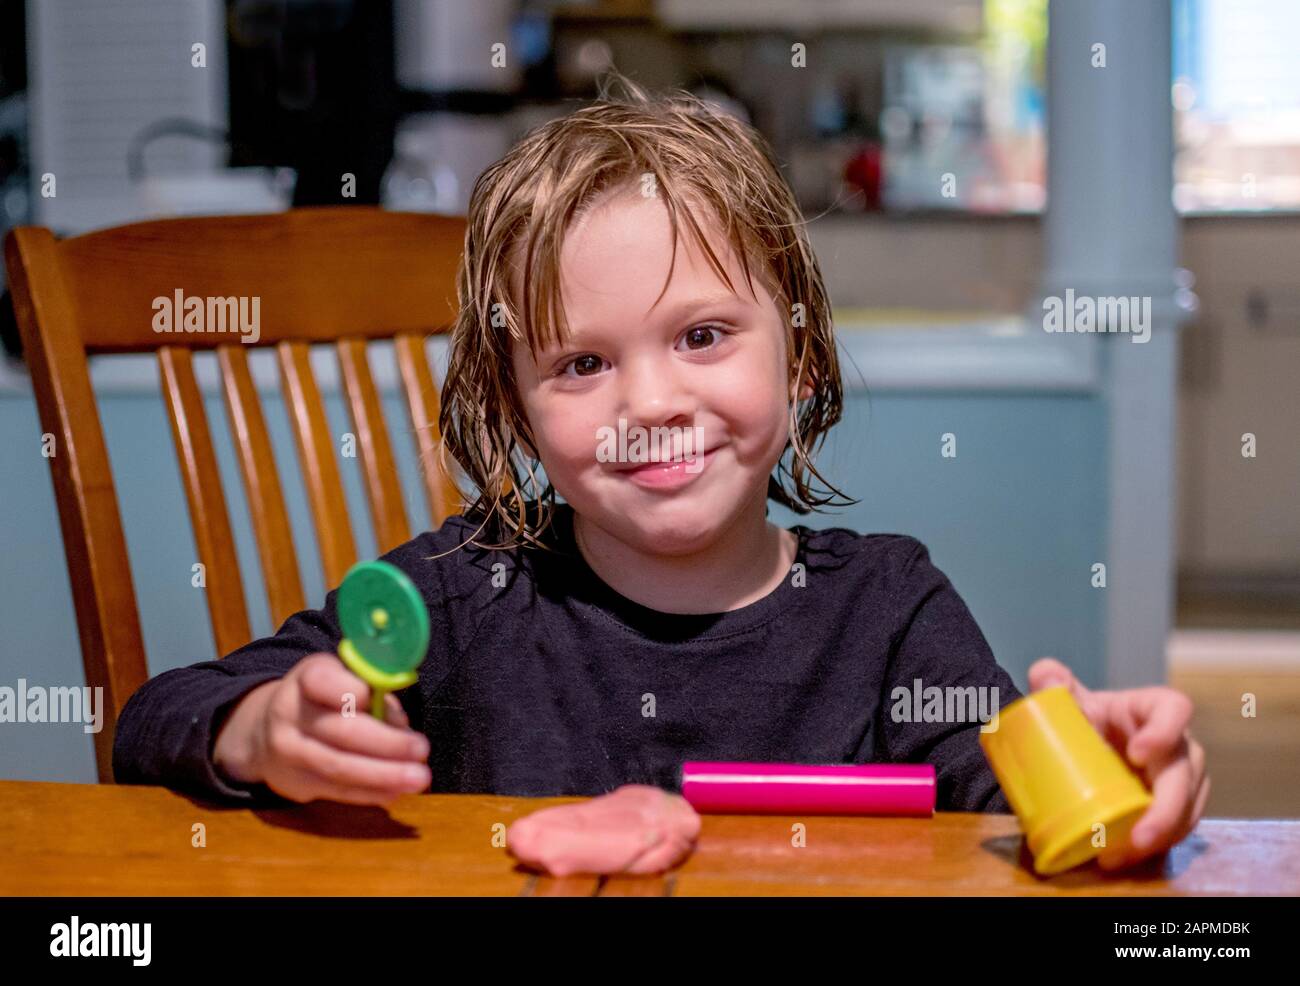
(668, 474)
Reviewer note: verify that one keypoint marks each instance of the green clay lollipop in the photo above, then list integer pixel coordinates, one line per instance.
(385, 628)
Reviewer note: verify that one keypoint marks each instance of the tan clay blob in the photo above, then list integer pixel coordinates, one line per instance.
(634, 829)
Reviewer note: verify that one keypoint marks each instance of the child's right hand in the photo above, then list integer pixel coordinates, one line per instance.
(291, 735)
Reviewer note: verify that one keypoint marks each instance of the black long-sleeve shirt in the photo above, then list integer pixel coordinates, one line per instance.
(542, 680)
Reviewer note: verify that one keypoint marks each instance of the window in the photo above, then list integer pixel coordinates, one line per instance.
(1236, 96)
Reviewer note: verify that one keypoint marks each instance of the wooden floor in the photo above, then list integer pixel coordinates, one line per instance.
(1226, 649)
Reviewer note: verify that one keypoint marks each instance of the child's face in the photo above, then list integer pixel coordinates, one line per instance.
(702, 360)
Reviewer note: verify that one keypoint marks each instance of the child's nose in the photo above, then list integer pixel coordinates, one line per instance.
(654, 394)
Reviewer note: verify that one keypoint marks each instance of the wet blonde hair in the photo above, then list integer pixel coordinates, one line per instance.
(519, 212)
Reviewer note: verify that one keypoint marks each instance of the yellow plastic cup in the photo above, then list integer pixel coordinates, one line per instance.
(1062, 780)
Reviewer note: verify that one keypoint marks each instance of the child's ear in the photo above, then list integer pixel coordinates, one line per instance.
(805, 390)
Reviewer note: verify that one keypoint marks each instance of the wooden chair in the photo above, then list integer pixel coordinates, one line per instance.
(341, 275)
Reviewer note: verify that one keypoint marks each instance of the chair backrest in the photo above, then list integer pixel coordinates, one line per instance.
(341, 275)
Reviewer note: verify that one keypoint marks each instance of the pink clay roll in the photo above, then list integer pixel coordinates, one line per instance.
(798, 788)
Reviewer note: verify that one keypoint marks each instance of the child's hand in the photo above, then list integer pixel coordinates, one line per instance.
(633, 829)
(291, 735)
(1148, 726)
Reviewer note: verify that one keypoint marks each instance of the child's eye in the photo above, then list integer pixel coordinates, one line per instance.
(586, 365)
(702, 336)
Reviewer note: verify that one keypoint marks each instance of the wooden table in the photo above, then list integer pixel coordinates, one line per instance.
(88, 840)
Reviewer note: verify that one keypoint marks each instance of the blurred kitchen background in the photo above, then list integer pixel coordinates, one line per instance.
(916, 134)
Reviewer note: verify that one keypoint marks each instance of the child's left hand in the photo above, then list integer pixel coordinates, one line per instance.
(1148, 726)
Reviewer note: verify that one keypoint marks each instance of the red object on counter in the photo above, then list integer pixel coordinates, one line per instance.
(722, 787)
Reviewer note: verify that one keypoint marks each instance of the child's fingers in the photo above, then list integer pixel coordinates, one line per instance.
(326, 682)
(1163, 715)
(394, 713)
(329, 684)
(1048, 671)
(1202, 796)
(303, 786)
(1146, 837)
(363, 733)
(300, 751)
(1161, 826)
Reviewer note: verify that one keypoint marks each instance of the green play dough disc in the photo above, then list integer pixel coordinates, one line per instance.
(382, 614)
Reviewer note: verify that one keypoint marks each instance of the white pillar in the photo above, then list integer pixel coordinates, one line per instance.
(1111, 231)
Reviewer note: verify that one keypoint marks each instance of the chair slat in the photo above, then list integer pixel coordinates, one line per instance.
(261, 486)
(202, 480)
(103, 595)
(422, 403)
(320, 470)
(382, 486)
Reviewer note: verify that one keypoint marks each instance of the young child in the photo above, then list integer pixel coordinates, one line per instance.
(655, 615)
